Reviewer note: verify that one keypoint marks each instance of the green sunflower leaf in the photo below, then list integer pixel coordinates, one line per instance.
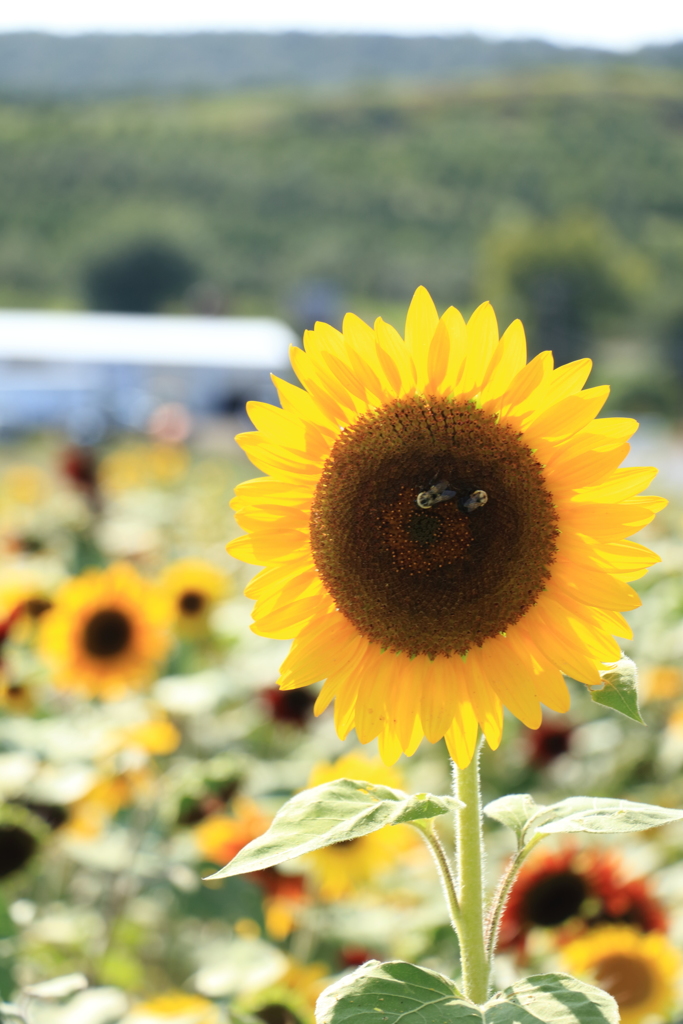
(11, 1014)
(335, 812)
(400, 992)
(392, 992)
(619, 690)
(600, 814)
(514, 811)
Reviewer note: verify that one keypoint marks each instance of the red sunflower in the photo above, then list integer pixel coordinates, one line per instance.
(575, 889)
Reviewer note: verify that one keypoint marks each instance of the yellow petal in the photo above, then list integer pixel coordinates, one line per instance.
(486, 703)
(461, 738)
(599, 589)
(567, 416)
(438, 359)
(395, 359)
(439, 696)
(622, 483)
(421, 323)
(512, 679)
(526, 381)
(482, 341)
(286, 622)
(321, 650)
(298, 402)
(508, 360)
(260, 549)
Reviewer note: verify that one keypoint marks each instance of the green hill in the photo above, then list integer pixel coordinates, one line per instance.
(34, 64)
(371, 191)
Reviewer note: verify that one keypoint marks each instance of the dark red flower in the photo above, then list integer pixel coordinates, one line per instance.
(547, 742)
(294, 706)
(585, 887)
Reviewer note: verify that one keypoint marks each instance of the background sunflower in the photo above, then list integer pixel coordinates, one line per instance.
(640, 971)
(107, 632)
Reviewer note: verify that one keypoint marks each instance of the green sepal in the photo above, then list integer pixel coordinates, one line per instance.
(619, 690)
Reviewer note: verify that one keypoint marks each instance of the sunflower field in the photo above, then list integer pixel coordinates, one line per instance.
(150, 730)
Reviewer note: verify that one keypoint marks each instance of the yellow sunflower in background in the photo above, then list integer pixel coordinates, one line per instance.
(25, 595)
(640, 971)
(443, 527)
(106, 633)
(219, 837)
(175, 1008)
(194, 586)
(341, 869)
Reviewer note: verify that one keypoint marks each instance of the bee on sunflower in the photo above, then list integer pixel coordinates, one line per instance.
(107, 632)
(443, 527)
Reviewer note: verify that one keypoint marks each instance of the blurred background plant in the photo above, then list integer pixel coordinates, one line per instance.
(142, 742)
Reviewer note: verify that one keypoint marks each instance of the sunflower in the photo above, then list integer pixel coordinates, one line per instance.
(640, 971)
(442, 528)
(106, 633)
(175, 1008)
(220, 837)
(194, 587)
(341, 869)
(573, 889)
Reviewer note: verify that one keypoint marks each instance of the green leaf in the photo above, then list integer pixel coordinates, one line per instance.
(11, 1014)
(514, 811)
(400, 992)
(334, 812)
(553, 999)
(619, 690)
(601, 814)
(392, 992)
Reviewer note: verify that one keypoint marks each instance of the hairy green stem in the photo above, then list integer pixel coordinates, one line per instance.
(500, 897)
(470, 858)
(431, 837)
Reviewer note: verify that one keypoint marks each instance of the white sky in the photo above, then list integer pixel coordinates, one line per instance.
(618, 24)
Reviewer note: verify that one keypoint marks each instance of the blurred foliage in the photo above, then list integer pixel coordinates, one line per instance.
(372, 190)
(140, 278)
(114, 811)
(565, 278)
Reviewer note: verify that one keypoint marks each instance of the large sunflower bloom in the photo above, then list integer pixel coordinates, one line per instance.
(107, 632)
(443, 527)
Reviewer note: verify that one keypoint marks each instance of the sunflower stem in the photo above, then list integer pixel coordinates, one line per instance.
(500, 897)
(431, 837)
(470, 859)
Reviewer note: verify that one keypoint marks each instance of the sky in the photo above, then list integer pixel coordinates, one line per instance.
(615, 24)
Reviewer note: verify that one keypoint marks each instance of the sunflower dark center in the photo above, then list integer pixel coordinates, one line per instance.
(107, 633)
(37, 606)
(554, 899)
(626, 978)
(442, 578)
(191, 602)
(16, 847)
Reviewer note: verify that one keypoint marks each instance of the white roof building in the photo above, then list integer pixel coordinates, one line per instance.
(60, 368)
